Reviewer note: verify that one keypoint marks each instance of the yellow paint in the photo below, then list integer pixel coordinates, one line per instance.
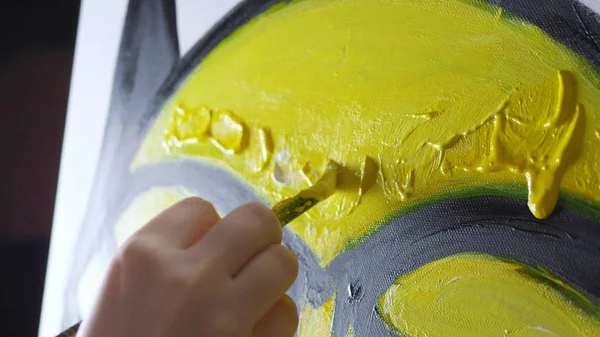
(317, 322)
(351, 332)
(427, 115)
(539, 146)
(397, 180)
(266, 148)
(442, 94)
(510, 299)
(228, 132)
(309, 173)
(368, 176)
(187, 126)
(290, 208)
(564, 100)
(144, 208)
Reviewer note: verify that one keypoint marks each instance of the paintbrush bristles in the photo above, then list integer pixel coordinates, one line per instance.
(289, 209)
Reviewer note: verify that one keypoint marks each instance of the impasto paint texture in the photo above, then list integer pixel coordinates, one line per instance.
(473, 294)
(466, 132)
(437, 95)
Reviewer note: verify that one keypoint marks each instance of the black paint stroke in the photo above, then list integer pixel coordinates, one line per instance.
(566, 244)
(567, 21)
(148, 74)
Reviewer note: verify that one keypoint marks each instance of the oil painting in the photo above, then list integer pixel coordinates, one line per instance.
(467, 133)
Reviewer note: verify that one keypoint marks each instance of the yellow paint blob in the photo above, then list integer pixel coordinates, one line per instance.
(548, 142)
(368, 176)
(187, 126)
(316, 322)
(511, 299)
(228, 132)
(266, 149)
(442, 95)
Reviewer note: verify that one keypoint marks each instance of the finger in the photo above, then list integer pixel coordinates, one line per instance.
(280, 321)
(264, 280)
(183, 223)
(239, 236)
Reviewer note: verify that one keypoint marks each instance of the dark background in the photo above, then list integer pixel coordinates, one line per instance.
(37, 39)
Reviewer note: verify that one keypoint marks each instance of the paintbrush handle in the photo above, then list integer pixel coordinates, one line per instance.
(70, 332)
(286, 210)
(289, 209)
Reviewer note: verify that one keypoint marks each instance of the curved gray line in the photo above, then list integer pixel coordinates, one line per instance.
(370, 267)
(205, 179)
(227, 192)
(313, 285)
(566, 244)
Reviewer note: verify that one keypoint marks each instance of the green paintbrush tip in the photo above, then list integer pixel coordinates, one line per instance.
(291, 208)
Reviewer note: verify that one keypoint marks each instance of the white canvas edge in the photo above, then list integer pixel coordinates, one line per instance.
(594, 5)
(98, 38)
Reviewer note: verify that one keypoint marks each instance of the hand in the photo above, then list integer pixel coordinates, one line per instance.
(190, 273)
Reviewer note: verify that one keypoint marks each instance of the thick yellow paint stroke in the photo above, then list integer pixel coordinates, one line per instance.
(316, 322)
(438, 95)
(480, 295)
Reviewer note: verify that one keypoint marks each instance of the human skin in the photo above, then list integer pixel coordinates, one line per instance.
(190, 273)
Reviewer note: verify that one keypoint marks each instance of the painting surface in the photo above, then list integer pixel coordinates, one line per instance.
(468, 133)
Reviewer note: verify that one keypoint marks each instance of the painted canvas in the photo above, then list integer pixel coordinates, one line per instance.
(467, 132)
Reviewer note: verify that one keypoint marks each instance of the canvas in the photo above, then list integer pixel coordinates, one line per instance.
(467, 134)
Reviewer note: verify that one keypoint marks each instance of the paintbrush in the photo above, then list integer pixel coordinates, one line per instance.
(285, 211)
(291, 208)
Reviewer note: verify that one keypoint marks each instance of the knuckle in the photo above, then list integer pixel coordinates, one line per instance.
(141, 253)
(256, 208)
(284, 260)
(135, 250)
(264, 217)
(197, 203)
